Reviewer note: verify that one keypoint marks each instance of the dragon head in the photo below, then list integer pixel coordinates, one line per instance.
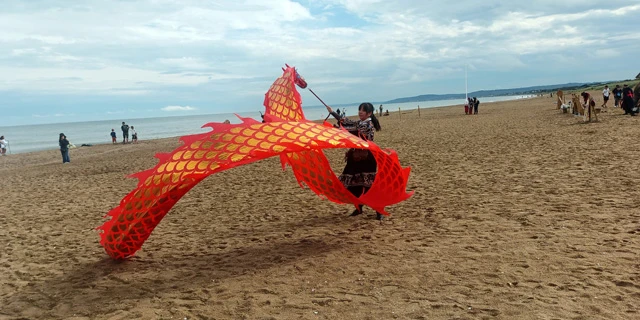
(299, 80)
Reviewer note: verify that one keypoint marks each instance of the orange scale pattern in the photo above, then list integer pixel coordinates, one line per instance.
(298, 142)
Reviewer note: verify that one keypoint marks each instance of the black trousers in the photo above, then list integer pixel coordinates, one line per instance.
(627, 104)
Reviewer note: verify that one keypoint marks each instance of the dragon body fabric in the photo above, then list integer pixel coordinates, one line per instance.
(285, 133)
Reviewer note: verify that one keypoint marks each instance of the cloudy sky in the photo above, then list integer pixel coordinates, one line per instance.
(90, 60)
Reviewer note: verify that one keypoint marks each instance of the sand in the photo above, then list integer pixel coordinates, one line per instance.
(520, 212)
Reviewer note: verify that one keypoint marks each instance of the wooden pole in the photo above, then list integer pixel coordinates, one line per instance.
(418, 111)
(399, 113)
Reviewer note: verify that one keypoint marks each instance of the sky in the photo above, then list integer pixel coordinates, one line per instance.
(66, 61)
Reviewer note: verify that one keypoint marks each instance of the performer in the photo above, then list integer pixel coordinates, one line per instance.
(361, 167)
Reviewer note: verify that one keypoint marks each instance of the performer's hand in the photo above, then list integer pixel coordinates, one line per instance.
(329, 109)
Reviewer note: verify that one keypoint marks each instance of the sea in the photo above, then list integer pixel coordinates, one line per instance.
(31, 138)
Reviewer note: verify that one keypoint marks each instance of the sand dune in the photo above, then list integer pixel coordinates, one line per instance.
(520, 212)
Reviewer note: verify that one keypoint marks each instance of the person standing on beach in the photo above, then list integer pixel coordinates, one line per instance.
(64, 148)
(587, 103)
(3, 146)
(476, 102)
(627, 100)
(380, 111)
(617, 96)
(125, 132)
(134, 135)
(605, 96)
(113, 136)
(360, 171)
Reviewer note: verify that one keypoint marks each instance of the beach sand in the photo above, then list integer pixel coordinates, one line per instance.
(520, 212)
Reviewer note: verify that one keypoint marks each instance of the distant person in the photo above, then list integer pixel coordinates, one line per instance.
(134, 135)
(587, 103)
(386, 113)
(64, 148)
(466, 106)
(617, 96)
(125, 132)
(605, 96)
(636, 98)
(113, 136)
(3, 146)
(476, 103)
(380, 110)
(227, 121)
(627, 101)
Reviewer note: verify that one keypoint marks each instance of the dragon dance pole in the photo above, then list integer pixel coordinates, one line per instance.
(325, 119)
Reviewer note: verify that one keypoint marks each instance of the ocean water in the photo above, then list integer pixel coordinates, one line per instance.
(29, 138)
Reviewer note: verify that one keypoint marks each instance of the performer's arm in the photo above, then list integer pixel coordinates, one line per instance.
(334, 114)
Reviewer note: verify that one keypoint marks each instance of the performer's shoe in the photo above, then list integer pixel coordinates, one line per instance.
(355, 213)
(379, 216)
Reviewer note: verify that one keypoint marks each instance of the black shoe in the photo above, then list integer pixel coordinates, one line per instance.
(355, 213)
(379, 216)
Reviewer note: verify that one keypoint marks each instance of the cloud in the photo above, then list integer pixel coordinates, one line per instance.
(56, 115)
(163, 52)
(178, 108)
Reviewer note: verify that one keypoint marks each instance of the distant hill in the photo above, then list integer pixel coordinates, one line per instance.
(498, 92)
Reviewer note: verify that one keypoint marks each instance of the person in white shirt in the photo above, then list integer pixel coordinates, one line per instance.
(134, 135)
(3, 146)
(605, 96)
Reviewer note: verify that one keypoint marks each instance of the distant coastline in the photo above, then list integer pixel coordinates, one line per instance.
(524, 91)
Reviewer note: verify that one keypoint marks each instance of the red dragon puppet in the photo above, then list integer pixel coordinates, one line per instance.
(285, 132)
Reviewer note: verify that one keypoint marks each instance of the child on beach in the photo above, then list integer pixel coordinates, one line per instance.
(134, 135)
(605, 96)
(113, 136)
(3, 146)
(360, 171)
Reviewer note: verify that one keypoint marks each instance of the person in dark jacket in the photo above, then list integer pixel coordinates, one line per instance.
(64, 148)
(617, 96)
(627, 100)
(476, 103)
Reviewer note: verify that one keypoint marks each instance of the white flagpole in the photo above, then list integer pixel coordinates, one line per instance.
(466, 97)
